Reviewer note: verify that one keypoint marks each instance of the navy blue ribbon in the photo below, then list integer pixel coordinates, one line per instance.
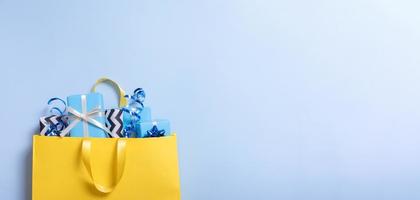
(55, 129)
(62, 118)
(55, 108)
(155, 132)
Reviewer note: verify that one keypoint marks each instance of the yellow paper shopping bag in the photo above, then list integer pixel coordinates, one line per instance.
(105, 168)
(72, 168)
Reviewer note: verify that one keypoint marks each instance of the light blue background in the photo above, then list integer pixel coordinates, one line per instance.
(272, 100)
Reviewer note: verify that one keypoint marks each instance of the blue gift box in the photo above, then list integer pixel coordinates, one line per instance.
(155, 128)
(84, 104)
(146, 114)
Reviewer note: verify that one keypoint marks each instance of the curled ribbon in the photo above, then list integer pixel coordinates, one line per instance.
(134, 108)
(55, 108)
(53, 128)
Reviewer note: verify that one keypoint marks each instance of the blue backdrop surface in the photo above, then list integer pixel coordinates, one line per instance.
(271, 99)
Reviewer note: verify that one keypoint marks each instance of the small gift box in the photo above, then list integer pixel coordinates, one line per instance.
(146, 114)
(86, 118)
(52, 125)
(155, 128)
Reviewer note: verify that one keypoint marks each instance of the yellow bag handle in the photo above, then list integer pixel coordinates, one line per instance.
(121, 93)
(120, 162)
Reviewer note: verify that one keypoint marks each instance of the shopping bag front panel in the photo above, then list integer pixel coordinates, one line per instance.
(151, 169)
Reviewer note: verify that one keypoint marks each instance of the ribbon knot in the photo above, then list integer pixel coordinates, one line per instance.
(84, 117)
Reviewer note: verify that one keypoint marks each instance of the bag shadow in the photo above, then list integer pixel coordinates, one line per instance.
(27, 169)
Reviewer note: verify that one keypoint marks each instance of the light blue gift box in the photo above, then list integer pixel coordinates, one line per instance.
(146, 128)
(146, 114)
(91, 101)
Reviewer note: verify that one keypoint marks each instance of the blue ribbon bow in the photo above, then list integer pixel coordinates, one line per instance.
(155, 132)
